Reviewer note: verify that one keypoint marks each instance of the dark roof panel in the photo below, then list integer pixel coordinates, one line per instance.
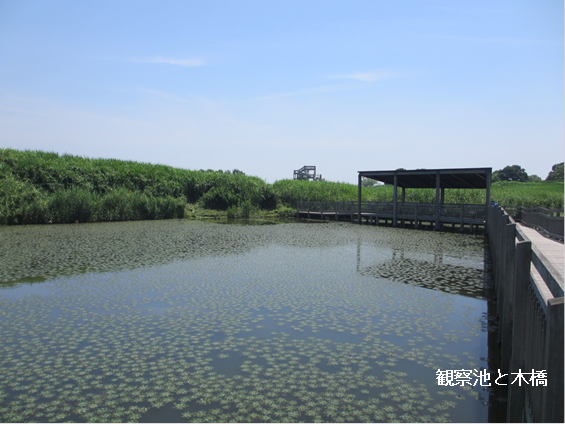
(475, 178)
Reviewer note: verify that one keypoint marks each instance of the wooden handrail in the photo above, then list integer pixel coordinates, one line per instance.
(454, 209)
(530, 310)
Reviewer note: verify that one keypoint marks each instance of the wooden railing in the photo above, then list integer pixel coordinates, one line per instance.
(530, 311)
(404, 209)
(548, 221)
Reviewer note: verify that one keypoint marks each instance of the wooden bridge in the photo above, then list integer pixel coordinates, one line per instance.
(527, 269)
(413, 214)
(548, 222)
(528, 275)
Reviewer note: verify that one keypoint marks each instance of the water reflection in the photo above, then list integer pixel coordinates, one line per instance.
(186, 321)
(430, 273)
(49, 251)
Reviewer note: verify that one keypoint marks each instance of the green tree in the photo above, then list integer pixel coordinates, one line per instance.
(510, 173)
(556, 173)
(534, 178)
(368, 182)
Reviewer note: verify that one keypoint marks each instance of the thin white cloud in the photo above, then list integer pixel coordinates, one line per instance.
(165, 95)
(371, 76)
(313, 90)
(365, 77)
(493, 40)
(190, 63)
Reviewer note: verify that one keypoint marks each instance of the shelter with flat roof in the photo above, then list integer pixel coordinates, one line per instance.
(440, 179)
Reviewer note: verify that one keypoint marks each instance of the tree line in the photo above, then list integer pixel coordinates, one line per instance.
(508, 173)
(517, 173)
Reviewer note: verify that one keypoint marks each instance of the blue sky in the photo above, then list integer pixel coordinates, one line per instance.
(269, 86)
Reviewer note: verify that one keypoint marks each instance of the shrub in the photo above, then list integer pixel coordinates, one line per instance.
(117, 205)
(73, 205)
(21, 202)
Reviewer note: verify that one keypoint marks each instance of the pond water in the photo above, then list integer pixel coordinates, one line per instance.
(176, 321)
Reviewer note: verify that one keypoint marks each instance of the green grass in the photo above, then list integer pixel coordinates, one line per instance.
(41, 187)
(51, 172)
(547, 194)
(507, 193)
(291, 191)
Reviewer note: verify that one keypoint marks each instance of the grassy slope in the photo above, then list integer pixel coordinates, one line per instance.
(40, 187)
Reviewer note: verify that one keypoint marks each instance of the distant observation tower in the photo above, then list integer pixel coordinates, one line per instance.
(307, 173)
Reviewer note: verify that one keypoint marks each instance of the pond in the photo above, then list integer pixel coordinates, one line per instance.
(179, 321)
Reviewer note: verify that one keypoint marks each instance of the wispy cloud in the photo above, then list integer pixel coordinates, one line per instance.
(306, 91)
(370, 76)
(190, 63)
(493, 40)
(364, 77)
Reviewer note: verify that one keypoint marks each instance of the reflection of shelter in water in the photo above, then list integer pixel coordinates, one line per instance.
(436, 275)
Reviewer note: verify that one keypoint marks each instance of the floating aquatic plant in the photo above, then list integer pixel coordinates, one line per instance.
(196, 329)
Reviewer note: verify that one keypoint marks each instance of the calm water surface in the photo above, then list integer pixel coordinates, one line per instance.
(190, 321)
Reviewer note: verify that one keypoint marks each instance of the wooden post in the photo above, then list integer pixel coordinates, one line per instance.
(499, 274)
(553, 395)
(437, 226)
(487, 204)
(322, 211)
(359, 199)
(499, 278)
(395, 200)
(516, 393)
(504, 289)
(508, 262)
(308, 213)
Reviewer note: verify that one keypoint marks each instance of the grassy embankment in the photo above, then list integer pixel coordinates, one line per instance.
(39, 187)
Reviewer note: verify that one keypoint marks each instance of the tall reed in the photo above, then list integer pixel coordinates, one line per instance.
(545, 194)
(38, 187)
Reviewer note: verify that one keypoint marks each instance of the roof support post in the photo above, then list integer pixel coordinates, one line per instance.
(487, 204)
(395, 201)
(359, 198)
(403, 194)
(438, 185)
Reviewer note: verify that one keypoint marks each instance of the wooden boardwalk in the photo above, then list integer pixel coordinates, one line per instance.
(403, 213)
(528, 275)
(552, 250)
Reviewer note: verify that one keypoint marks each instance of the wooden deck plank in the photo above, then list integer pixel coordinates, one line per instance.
(553, 250)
